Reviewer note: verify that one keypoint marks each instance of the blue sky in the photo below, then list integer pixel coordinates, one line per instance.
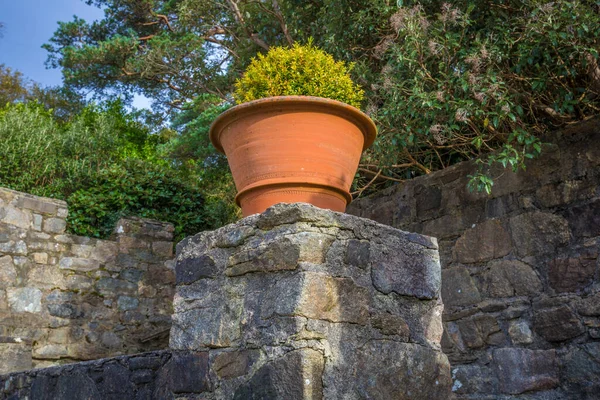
(28, 24)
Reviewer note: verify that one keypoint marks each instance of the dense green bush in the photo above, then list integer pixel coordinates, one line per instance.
(298, 70)
(104, 163)
(135, 188)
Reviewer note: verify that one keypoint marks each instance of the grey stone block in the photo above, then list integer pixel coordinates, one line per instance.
(78, 264)
(306, 303)
(459, 288)
(15, 356)
(54, 225)
(75, 385)
(557, 324)
(126, 303)
(184, 373)
(27, 299)
(8, 272)
(522, 370)
(294, 376)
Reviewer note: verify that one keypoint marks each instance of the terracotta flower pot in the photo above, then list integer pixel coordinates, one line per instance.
(292, 149)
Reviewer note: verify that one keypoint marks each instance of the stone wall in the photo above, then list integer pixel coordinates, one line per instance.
(134, 377)
(65, 298)
(521, 282)
(157, 375)
(303, 303)
(297, 303)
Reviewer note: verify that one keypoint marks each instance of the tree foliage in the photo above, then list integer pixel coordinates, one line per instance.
(482, 78)
(195, 157)
(445, 82)
(135, 188)
(13, 86)
(16, 88)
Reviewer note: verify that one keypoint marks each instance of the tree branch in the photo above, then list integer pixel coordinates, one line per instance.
(359, 192)
(284, 28)
(240, 19)
(389, 178)
(149, 23)
(416, 163)
(165, 19)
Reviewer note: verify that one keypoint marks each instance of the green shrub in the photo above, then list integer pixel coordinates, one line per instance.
(135, 188)
(478, 80)
(299, 70)
(29, 140)
(104, 163)
(44, 157)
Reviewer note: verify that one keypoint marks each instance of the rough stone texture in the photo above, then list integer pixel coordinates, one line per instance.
(572, 274)
(184, 373)
(536, 232)
(318, 328)
(15, 355)
(459, 289)
(474, 379)
(582, 369)
(489, 238)
(520, 333)
(522, 370)
(589, 306)
(168, 374)
(520, 267)
(295, 375)
(117, 378)
(303, 303)
(509, 278)
(557, 324)
(385, 369)
(8, 272)
(25, 300)
(232, 364)
(399, 268)
(79, 298)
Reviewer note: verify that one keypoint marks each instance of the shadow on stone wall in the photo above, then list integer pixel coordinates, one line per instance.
(520, 268)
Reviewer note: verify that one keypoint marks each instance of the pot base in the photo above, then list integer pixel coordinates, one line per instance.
(258, 199)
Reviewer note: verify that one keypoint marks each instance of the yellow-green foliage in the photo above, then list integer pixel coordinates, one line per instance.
(299, 70)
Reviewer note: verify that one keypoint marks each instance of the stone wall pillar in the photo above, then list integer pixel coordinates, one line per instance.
(304, 303)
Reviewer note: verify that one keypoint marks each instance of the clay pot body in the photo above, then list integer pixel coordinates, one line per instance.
(293, 149)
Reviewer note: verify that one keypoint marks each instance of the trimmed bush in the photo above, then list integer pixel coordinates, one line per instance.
(299, 70)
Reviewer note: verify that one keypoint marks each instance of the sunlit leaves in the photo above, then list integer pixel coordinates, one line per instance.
(445, 81)
(299, 70)
(103, 162)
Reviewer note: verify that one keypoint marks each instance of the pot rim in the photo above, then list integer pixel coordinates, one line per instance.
(283, 103)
